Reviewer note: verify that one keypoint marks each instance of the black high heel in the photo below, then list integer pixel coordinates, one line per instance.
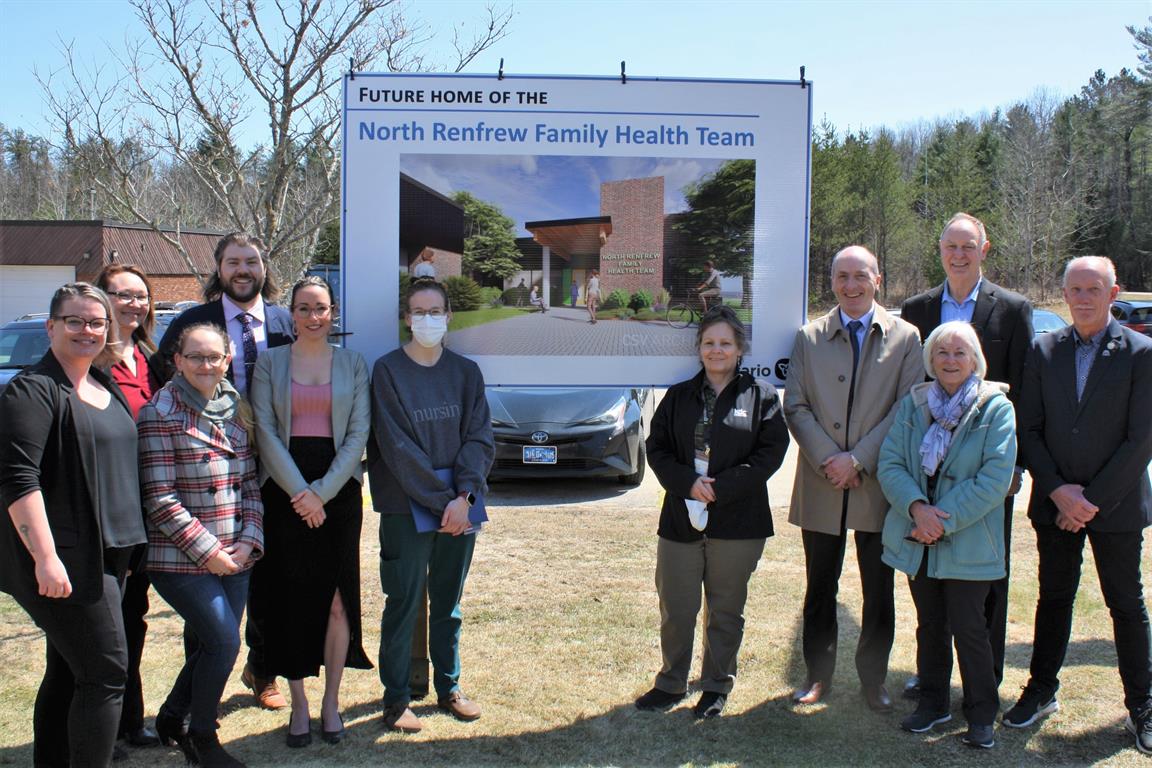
(333, 737)
(298, 740)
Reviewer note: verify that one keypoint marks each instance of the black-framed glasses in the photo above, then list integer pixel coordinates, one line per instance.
(320, 310)
(199, 360)
(437, 312)
(76, 324)
(128, 297)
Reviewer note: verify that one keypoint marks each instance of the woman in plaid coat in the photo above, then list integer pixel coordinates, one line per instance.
(201, 495)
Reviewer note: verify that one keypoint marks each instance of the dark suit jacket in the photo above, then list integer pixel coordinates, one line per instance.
(1104, 441)
(278, 330)
(43, 447)
(1002, 319)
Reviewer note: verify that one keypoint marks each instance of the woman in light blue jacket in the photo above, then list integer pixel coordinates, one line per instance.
(313, 414)
(945, 468)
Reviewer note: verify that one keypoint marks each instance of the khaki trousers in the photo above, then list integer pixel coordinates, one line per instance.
(723, 567)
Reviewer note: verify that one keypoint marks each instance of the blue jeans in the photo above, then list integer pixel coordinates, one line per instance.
(408, 561)
(212, 607)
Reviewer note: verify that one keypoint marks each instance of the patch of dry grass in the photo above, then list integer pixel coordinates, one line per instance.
(561, 634)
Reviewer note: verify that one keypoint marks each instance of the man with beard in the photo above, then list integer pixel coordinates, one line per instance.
(235, 298)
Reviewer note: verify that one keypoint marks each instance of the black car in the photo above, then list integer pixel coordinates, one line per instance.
(570, 432)
(22, 342)
(1136, 314)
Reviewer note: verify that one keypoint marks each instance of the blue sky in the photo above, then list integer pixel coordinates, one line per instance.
(873, 63)
(542, 188)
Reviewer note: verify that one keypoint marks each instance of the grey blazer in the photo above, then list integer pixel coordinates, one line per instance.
(351, 420)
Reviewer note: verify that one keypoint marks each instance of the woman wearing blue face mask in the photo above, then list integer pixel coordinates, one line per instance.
(431, 447)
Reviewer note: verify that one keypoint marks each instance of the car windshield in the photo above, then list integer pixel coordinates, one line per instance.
(1044, 322)
(22, 346)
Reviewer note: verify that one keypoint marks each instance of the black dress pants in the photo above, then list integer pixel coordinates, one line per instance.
(77, 709)
(956, 605)
(134, 608)
(1117, 556)
(824, 561)
(996, 604)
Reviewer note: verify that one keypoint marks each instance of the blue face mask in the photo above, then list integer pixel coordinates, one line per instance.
(429, 330)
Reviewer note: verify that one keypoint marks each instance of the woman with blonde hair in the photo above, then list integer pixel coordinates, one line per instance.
(68, 480)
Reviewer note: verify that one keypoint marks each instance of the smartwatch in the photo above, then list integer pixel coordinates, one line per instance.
(469, 497)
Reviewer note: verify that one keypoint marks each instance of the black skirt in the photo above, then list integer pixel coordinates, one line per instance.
(304, 567)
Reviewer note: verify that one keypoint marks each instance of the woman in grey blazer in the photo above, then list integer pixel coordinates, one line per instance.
(313, 413)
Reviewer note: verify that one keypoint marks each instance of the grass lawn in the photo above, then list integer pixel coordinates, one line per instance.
(561, 633)
(462, 320)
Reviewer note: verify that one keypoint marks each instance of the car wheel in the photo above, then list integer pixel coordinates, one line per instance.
(637, 477)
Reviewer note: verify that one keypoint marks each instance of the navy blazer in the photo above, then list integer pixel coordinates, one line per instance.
(1103, 441)
(44, 447)
(1003, 322)
(278, 331)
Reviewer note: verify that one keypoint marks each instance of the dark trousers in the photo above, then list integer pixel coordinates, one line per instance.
(408, 561)
(77, 708)
(254, 628)
(134, 608)
(996, 604)
(824, 561)
(956, 605)
(1117, 557)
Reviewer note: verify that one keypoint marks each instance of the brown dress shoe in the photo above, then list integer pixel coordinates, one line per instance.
(264, 689)
(877, 698)
(398, 717)
(459, 706)
(813, 693)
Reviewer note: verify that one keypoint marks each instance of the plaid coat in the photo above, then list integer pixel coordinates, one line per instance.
(198, 485)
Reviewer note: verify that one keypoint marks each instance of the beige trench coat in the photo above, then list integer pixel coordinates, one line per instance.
(816, 408)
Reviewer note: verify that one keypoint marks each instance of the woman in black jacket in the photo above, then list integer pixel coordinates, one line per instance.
(714, 442)
(68, 480)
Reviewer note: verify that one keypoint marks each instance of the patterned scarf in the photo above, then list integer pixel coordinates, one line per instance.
(947, 410)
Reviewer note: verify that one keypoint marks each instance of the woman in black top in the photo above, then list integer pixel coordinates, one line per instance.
(714, 442)
(68, 478)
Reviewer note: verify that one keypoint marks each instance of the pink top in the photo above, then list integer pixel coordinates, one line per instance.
(311, 410)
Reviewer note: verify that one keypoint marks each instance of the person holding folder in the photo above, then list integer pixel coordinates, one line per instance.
(431, 449)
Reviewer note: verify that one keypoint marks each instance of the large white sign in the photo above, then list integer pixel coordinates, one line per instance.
(624, 209)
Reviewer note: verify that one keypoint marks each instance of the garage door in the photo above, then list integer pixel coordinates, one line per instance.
(29, 289)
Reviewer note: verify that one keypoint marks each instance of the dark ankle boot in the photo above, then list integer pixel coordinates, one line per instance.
(172, 731)
(210, 753)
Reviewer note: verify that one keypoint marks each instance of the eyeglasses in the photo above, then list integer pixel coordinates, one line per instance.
(199, 360)
(76, 324)
(428, 312)
(320, 310)
(128, 297)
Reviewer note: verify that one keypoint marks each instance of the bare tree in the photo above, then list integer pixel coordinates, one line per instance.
(180, 102)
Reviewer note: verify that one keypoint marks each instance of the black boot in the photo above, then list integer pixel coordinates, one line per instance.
(210, 753)
(172, 731)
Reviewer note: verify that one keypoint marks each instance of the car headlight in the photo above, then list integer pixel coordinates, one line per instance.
(613, 416)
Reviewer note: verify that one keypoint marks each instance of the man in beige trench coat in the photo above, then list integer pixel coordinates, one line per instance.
(848, 370)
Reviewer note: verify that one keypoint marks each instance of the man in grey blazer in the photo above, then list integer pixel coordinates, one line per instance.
(1086, 419)
(847, 372)
(1003, 323)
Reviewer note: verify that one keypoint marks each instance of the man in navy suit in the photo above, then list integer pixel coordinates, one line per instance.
(1003, 323)
(1086, 433)
(236, 298)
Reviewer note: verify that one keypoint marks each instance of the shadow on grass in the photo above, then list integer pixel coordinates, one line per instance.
(1082, 653)
(535, 491)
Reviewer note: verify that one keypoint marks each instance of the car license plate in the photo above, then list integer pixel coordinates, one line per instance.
(539, 454)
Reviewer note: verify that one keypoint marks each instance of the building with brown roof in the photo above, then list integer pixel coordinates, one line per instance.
(36, 257)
